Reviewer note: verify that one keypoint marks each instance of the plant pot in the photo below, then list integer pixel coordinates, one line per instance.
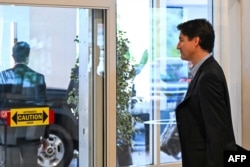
(124, 155)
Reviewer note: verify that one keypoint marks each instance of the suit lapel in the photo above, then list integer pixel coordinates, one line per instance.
(195, 79)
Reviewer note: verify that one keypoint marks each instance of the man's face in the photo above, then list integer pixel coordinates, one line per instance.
(187, 47)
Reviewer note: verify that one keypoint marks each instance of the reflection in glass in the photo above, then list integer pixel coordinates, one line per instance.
(68, 47)
(50, 33)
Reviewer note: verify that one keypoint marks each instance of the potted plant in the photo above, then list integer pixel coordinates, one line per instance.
(73, 89)
(125, 73)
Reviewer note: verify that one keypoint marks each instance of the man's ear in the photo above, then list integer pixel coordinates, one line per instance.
(196, 40)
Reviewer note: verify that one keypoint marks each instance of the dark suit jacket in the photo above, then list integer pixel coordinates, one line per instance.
(22, 87)
(204, 118)
(21, 82)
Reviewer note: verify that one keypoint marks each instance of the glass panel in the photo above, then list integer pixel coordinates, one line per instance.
(67, 49)
(161, 77)
(91, 79)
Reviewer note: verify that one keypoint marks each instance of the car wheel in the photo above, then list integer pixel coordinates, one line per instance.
(60, 148)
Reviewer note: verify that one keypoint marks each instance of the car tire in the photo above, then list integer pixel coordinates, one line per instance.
(60, 150)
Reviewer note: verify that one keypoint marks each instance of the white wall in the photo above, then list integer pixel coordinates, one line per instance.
(245, 6)
(227, 23)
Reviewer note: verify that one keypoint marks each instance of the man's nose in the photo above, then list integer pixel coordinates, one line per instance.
(178, 46)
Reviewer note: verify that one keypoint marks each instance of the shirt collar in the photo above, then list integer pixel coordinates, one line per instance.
(196, 67)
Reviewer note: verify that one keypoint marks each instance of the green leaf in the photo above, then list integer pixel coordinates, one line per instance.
(144, 58)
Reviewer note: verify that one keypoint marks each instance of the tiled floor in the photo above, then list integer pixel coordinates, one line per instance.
(139, 158)
(144, 158)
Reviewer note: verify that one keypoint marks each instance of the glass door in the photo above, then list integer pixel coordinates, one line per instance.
(92, 57)
(160, 78)
(67, 47)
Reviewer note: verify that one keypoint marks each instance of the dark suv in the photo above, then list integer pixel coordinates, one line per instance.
(63, 134)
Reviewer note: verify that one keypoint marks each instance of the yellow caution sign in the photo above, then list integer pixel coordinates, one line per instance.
(29, 116)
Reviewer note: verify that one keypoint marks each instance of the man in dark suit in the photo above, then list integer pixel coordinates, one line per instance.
(204, 116)
(21, 87)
